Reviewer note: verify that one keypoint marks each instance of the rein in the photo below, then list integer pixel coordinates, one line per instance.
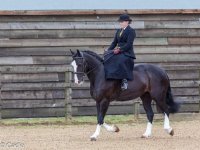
(84, 66)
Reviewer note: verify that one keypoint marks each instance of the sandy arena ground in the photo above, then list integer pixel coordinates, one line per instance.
(74, 137)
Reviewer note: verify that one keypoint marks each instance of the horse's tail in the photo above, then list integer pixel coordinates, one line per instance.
(173, 106)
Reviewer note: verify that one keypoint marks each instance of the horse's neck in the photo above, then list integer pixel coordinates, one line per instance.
(97, 70)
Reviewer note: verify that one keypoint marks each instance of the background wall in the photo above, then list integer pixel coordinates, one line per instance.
(34, 55)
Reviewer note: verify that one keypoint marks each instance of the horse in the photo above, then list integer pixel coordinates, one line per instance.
(150, 83)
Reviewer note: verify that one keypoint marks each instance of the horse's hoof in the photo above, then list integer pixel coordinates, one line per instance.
(93, 139)
(145, 136)
(116, 128)
(171, 133)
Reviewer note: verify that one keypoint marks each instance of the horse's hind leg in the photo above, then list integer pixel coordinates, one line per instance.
(161, 103)
(146, 100)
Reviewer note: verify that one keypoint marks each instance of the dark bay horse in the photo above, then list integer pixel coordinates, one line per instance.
(150, 83)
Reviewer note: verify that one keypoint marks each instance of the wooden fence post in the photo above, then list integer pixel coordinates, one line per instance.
(199, 90)
(68, 92)
(136, 106)
(0, 95)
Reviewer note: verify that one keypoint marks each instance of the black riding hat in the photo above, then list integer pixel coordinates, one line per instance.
(124, 17)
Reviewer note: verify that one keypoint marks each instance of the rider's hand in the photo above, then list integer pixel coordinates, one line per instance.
(116, 51)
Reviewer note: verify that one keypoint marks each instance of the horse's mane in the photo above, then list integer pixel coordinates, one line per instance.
(94, 54)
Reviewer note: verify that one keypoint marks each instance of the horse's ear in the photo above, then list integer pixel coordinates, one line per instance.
(78, 52)
(72, 52)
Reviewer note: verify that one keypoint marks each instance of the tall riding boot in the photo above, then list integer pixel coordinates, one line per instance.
(124, 84)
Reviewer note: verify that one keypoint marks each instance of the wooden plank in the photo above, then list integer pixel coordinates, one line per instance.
(183, 41)
(182, 75)
(35, 69)
(52, 60)
(181, 67)
(16, 60)
(95, 33)
(120, 110)
(57, 103)
(184, 80)
(141, 58)
(185, 91)
(65, 25)
(91, 102)
(73, 42)
(36, 77)
(188, 91)
(24, 104)
(35, 60)
(56, 33)
(81, 93)
(57, 42)
(100, 17)
(167, 58)
(33, 112)
(34, 86)
(194, 49)
(99, 11)
(48, 94)
(60, 51)
(39, 51)
(167, 32)
(96, 25)
(163, 64)
(184, 84)
(172, 24)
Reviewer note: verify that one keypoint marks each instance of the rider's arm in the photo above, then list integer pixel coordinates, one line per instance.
(129, 42)
(114, 43)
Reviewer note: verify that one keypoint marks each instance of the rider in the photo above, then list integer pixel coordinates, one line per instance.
(119, 57)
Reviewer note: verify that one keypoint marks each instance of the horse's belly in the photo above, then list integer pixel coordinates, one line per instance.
(128, 95)
(134, 91)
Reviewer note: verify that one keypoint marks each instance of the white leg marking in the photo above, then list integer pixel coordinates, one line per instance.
(167, 127)
(75, 69)
(96, 133)
(148, 130)
(109, 128)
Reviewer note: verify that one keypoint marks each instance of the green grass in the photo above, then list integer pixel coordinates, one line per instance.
(79, 120)
(62, 121)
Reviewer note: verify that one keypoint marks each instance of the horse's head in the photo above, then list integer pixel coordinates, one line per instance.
(78, 64)
(86, 62)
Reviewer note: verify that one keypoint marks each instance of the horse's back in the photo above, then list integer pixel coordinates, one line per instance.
(151, 69)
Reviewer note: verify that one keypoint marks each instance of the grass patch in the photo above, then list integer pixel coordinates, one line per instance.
(79, 120)
(61, 120)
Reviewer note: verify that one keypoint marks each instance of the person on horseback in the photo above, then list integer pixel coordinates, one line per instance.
(119, 57)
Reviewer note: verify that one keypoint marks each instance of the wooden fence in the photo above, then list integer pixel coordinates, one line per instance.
(34, 56)
(23, 94)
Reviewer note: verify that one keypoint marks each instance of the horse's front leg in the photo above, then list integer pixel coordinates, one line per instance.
(102, 108)
(98, 128)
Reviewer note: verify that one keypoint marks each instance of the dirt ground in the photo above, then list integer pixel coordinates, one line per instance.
(75, 137)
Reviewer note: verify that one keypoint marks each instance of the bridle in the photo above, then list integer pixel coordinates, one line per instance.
(83, 62)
